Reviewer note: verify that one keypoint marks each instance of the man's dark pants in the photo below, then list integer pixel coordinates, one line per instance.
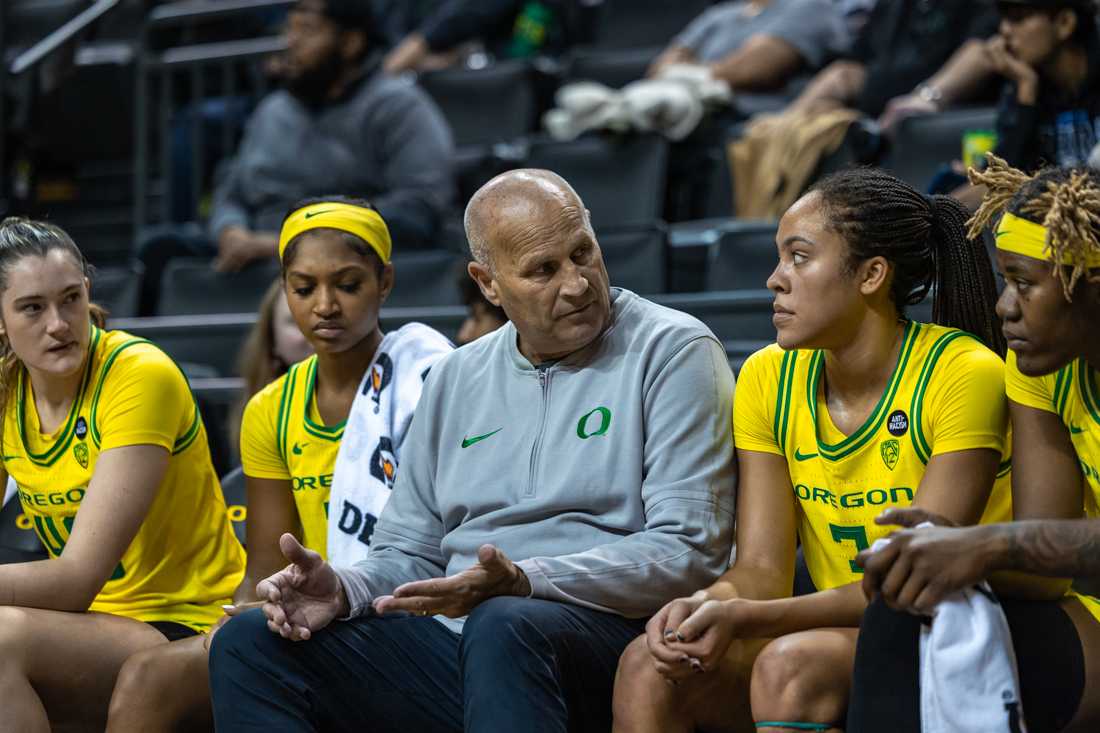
(519, 665)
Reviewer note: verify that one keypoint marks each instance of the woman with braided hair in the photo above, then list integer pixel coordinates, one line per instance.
(856, 408)
(1049, 253)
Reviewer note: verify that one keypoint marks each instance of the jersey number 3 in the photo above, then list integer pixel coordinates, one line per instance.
(854, 533)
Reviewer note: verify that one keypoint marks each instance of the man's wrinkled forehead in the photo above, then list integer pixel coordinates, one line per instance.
(520, 223)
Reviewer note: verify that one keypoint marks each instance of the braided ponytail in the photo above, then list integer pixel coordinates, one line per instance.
(966, 293)
(925, 241)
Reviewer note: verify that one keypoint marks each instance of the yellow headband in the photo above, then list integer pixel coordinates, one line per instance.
(1023, 237)
(364, 223)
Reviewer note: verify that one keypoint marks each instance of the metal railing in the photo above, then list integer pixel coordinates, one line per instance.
(189, 12)
(31, 58)
(55, 40)
(449, 317)
(216, 339)
(160, 74)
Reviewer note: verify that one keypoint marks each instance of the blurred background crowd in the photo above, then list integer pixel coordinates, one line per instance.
(169, 138)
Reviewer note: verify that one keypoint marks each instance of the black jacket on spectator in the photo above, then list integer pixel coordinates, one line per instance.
(907, 41)
(384, 140)
(398, 18)
(548, 27)
(1060, 129)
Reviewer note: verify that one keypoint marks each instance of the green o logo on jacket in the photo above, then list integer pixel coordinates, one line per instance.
(587, 421)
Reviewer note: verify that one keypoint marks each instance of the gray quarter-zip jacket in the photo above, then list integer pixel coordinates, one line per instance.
(608, 477)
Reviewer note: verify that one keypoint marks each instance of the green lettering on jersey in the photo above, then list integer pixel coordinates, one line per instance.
(852, 533)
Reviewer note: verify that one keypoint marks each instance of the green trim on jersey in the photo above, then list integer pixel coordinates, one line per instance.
(184, 441)
(870, 427)
(286, 401)
(916, 408)
(1061, 390)
(335, 432)
(783, 398)
(107, 364)
(1087, 378)
(284, 410)
(61, 444)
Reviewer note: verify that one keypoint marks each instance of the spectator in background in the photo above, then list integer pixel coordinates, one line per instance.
(482, 317)
(856, 13)
(759, 44)
(1048, 51)
(338, 124)
(398, 18)
(508, 28)
(904, 43)
(273, 344)
(966, 77)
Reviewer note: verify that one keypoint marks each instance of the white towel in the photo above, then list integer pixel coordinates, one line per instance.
(968, 677)
(672, 105)
(370, 449)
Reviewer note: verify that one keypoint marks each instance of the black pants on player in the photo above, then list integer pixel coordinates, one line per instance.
(886, 686)
(519, 664)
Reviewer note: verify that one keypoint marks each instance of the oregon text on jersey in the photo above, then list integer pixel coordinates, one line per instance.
(283, 438)
(946, 393)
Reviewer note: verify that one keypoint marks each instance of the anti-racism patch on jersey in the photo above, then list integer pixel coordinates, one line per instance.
(898, 423)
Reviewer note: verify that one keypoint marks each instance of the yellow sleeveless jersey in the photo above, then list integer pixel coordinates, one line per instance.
(184, 562)
(946, 394)
(282, 437)
(1072, 393)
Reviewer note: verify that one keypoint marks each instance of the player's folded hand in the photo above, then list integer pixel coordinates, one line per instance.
(660, 633)
(703, 638)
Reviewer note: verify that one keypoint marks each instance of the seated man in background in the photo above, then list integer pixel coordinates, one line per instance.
(509, 29)
(759, 44)
(564, 477)
(902, 44)
(338, 124)
(967, 77)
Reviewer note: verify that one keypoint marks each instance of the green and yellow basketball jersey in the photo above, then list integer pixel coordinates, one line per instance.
(185, 561)
(1072, 393)
(283, 437)
(945, 394)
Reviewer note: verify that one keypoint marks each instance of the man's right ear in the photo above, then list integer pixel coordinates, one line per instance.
(484, 279)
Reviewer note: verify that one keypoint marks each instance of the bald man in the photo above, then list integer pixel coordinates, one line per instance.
(564, 477)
